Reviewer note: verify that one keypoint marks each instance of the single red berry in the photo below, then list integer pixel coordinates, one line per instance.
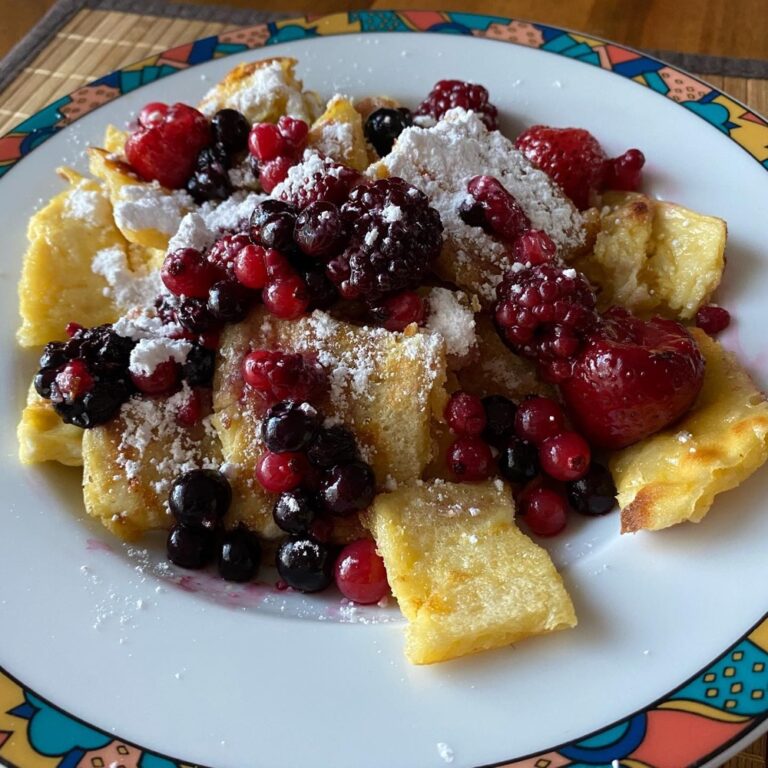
(544, 509)
(152, 113)
(165, 148)
(360, 573)
(565, 456)
(250, 268)
(534, 247)
(273, 172)
(279, 376)
(448, 94)
(73, 381)
(187, 272)
(286, 298)
(72, 328)
(538, 418)
(278, 472)
(224, 251)
(164, 379)
(713, 319)
(470, 458)
(398, 311)
(501, 213)
(277, 265)
(465, 414)
(294, 133)
(192, 410)
(266, 142)
(624, 172)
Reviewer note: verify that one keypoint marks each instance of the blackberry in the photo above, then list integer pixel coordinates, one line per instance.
(384, 125)
(193, 315)
(325, 181)
(542, 313)
(448, 94)
(394, 235)
(97, 406)
(226, 249)
(210, 179)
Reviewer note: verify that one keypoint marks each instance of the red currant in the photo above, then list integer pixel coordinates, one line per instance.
(544, 509)
(278, 472)
(188, 273)
(360, 573)
(165, 378)
(713, 319)
(286, 298)
(266, 142)
(294, 133)
(398, 311)
(273, 172)
(538, 418)
(470, 458)
(250, 268)
(565, 456)
(465, 414)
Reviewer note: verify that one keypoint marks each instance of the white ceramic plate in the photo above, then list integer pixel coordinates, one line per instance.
(232, 677)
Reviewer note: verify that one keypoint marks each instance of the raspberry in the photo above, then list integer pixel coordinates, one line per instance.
(167, 142)
(225, 250)
(494, 209)
(318, 180)
(394, 237)
(294, 133)
(565, 456)
(280, 376)
(574, 159)
(448, 94)
(533, 248)
(186, 272)
(632, 378)
(470, 458)
(360, 573)
(543, 311)
(397, 311)
(72, 381)
(465, 414)
(713, 319)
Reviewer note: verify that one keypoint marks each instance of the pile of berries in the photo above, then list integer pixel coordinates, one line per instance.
(532, 448)
(448, 94)
(86, 378)
(277, 147)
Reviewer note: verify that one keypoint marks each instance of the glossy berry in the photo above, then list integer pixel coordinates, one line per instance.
(538, 418)
(593, 494)
(230, 131)
(166, 146)
(187, 272)
(319, 231)
(210, 179)
(273, 172)
(286, 298)
(266, 143)
(518, 461)
(624, 172)
(229, 301)
(152, 113)
(225, 250)
(713, 319)
(360, 573)
(272, 224)
(191, 548)
(331, 446)
(470, 458)
(465, 414)
(534, 247)
(200, 498)
(278, 472)
(305, 564)
(347, 488)
(499, 213)
(565, 456)
(544, 509)
(295, 511)
(289, 426)
(406, 242)
(165, 378)
(239, 555)
(250, 269)
(384, 125)
(279, 376)
(447, 94)
(632, 378)
(198, 368)
(398, 310)
(193, 315)
(499, 420)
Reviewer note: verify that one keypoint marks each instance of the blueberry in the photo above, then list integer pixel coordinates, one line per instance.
(305, 564)
(499, 420)
(199, 366)
(230, 130)
(519, 461)
(384, 125)
(193, 315)
(289, 426)
(295, 511)
(200, 498)
(347, 488)
(332, 446)
(53, 355)
(190, 547)
(210, 180)
(43, 380)
(229, 301)
(277, 231)
(239, 555)
(593, 494)
(98, 406)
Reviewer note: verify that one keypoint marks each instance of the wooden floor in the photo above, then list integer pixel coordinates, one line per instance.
(718, 27)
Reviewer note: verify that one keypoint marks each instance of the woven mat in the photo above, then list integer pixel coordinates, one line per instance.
(79, 40)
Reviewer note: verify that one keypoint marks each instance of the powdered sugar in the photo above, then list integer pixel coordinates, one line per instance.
(150, 206)
(144, 323)
(453, 320)
(126, 287)
(303, 176)
(335, 139)
(88, 205)
(391, 213)
(149, 353)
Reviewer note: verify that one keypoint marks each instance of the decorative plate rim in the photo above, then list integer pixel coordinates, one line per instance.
(719, 721)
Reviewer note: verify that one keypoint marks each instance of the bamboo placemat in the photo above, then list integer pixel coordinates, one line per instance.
(80, 40)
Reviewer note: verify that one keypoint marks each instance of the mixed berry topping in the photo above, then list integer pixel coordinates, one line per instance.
(470, 459)
(574, 159)
(277, 148)
(383, 126)
(448, 94)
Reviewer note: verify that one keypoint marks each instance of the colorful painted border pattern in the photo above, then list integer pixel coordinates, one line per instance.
(712, 710)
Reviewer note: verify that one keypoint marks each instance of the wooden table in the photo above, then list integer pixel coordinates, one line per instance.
(731, 28)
